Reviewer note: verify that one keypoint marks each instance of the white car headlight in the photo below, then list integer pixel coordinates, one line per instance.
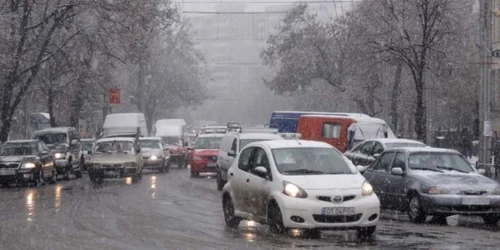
(293, 190)
(58, 155)
(366, 189)
(28, 165)
(154, 158)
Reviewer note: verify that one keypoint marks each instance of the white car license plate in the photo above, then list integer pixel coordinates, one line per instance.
(6, 171)
(338, 210)
(475, 201)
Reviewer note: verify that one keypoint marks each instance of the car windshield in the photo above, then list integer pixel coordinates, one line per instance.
(303, 161)
(152, 144)
(18, 149)
(404, 144)
(439, 161)
(172, 141)
(52, 138)
(208, 143)
(114, 147)
(245, 142)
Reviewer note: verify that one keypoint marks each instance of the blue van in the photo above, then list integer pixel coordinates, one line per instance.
(286, 121)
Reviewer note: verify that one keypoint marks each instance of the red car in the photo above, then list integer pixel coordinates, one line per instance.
(203, 157)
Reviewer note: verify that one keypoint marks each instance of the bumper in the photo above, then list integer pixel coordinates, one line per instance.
(203, 167)
(156, 164)
(19, 176)
(308, 213)
(117, 173)
(452, 205)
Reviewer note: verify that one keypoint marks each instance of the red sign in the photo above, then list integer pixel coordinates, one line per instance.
(114, 96)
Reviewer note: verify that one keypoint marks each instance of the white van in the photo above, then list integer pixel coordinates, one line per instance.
(125, 125)
(231, 145)
(172, 133)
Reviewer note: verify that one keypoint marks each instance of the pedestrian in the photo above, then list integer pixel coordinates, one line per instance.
(466, 143)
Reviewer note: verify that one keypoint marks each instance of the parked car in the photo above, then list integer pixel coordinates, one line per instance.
(86, 146)
(367, 151)
(203, 157)
(432, 181)
(116, 158)
(64, 144)
(26, 161)
(298, 184)
(231, 145)
(155, 156)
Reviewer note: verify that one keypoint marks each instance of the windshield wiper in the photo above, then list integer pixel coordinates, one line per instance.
(304, 171)
(430, 169)
(450, 169)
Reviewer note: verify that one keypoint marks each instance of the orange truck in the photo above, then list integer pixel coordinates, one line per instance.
(342, 132)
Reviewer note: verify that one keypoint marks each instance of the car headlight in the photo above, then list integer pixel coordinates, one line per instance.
(58, 155)
(197, 158)
(293, 190)
(28, 165)
(130, 165)
(436, 190)
(366, 189)
(154, 158)
(96, 165)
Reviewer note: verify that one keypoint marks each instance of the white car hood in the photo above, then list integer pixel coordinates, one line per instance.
(326, 182)
(147, 152)
(113, 158)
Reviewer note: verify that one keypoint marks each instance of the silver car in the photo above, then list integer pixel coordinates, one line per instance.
(155, 156)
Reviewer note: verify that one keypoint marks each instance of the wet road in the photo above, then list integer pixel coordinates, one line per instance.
(174, 211)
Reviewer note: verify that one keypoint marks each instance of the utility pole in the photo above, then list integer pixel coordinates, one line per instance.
(485, 131)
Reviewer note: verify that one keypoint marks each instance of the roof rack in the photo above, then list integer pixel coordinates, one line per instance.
(291, 136)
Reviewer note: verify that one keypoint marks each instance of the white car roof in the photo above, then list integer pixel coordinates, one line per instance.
(260, 136)
(274, 144)
(395, 140)
(55, 130)
(20, 141)
(425, 150)
(150, 138)
(211, 135)
(87, 139)
(116, 139)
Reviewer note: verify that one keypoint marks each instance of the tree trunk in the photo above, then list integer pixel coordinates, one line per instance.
(420, 112)
(50, 106)
(396, 91)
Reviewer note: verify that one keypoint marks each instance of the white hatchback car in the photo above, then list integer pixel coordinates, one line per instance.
(298, 184)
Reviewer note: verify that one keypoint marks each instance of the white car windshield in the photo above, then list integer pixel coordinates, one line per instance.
(153, 144)
(438, 161)
(115, 147)
(208, 143)
(302, 161)
(52, 138)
